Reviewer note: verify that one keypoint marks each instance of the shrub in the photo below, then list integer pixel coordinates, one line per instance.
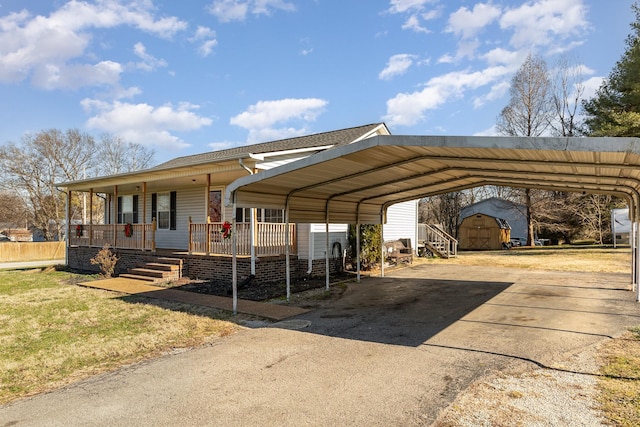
(106, 260)
(370, 245)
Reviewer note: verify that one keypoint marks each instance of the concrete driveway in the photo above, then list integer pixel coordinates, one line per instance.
(391, 351)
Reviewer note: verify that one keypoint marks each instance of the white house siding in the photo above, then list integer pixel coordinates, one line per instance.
(337, 233)
(402, 222)
(190, 202)
(302, 232)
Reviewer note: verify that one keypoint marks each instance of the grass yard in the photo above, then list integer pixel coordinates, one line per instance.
(53, 332)
(590, 259)
(620, 391)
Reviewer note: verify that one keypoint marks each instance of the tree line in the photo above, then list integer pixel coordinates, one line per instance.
(551, 103)
(30, 170)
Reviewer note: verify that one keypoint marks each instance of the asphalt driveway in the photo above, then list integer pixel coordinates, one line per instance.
(391, 351)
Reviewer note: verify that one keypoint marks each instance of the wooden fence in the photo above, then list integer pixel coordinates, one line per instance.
(31, 251)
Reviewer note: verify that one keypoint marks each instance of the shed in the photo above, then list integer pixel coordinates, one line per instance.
(483, 232)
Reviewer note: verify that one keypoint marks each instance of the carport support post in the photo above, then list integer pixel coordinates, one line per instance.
(287, 250)
(358, 251)
(326, 257)
(636, 259)
(633, 241)
(234, 256)
(382, 251)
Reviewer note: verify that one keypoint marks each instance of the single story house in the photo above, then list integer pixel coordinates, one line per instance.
(484, 232)
(176, 208)
(620, 226)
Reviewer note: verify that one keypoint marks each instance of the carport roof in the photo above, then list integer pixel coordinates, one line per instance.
(358, 182)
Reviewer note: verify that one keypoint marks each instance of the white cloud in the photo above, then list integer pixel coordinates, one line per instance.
(591, 86)
(416, 11)
(63, 76)
(407, 109)
(467, 23)
(149, 62)
(206, 38)
(497, 91)
(42, 46)
(545, 22)
(402, 6)
(223, 145)
(237, 10)
(413, 23)
(143, 123)
(397, 65)
(261, 118)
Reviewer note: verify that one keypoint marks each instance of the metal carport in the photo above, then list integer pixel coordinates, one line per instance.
(356, 183)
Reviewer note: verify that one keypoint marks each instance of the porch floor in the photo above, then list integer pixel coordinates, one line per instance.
(142, 288)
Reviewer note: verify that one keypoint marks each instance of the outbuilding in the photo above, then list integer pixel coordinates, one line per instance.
(484, 232)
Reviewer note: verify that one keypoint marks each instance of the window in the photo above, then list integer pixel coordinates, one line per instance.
(127, 209)
(243, 215)
(273, 215)
(164, 211)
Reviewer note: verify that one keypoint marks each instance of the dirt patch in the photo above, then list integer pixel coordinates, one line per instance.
(263, 292)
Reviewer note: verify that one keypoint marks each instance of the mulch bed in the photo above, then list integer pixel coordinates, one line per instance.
(260, 292)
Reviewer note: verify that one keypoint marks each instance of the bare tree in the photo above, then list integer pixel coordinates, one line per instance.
(530, 109)
(118, 156)
(529, 113)
(13, 211)
(568, 90)
(32, 169)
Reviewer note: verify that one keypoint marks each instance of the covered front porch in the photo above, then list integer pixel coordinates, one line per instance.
(257, 239)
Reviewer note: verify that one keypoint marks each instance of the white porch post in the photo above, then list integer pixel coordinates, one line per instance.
(67, 214)
(252, 232)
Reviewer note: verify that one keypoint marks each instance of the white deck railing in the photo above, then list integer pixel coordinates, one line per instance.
(270, 239)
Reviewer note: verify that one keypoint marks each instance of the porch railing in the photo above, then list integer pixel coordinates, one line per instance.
(270, 239)
(141, 236)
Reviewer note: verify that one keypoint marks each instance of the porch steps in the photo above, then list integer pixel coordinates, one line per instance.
(156, 270)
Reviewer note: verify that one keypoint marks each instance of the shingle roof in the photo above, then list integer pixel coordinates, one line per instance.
(336, 138)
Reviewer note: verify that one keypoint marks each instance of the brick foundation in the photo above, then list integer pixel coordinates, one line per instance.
(213, 267)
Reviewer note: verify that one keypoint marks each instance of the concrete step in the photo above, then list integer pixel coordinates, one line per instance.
(161, 266)
(138, 277)
(141, 271)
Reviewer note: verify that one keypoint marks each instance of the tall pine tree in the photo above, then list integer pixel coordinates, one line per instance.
(615, 108)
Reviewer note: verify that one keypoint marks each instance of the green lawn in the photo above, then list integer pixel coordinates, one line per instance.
(53, 332)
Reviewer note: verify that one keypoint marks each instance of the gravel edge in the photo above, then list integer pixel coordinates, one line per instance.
(534, 397)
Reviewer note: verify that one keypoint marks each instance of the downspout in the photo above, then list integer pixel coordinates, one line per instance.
(311, 254)
(251, 225)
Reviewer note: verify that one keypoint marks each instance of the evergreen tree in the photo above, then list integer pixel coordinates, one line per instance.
(615, 109)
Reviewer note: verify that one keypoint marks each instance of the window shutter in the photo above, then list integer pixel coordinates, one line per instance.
(119, 216)
(172, 211)
(154, 206)
(135, 209)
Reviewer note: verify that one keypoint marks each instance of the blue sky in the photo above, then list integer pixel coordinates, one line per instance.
(199, 75)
